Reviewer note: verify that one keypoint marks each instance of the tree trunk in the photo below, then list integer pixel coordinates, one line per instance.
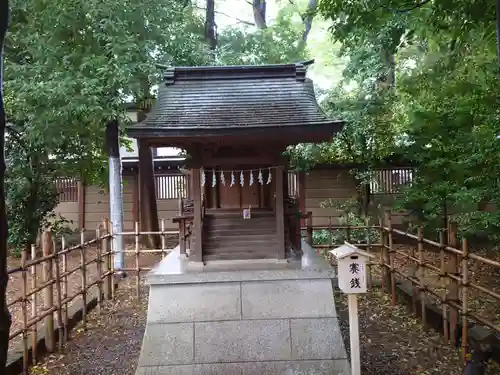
(210, 27)
(308, 19)
(5, 318)
(366, 196)
(259, 13)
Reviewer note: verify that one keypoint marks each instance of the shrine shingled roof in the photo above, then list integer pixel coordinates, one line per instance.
(231, 100)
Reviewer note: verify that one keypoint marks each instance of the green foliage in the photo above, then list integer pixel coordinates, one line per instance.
(454, 132)
(31, 194)
(421, 82)
(339, 236)
(246, 45)
(363, 234)
(69, 68)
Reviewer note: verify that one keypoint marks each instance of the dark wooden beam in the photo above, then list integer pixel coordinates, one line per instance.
(301, 182)
(280, 215)
(196, 254)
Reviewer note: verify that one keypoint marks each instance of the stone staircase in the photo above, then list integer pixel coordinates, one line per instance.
(227, 236)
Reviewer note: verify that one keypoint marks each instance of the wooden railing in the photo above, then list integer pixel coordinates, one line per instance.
(440, 273)
(185, 221)
(138, 252)
(48, 285)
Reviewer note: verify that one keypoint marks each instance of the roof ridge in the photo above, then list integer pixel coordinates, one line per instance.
(235, 72)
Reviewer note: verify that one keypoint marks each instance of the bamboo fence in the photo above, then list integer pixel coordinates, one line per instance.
(454, 266)
(45, 303)
(45, 295)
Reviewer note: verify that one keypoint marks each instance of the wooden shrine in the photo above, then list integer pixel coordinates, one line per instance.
(235, 122)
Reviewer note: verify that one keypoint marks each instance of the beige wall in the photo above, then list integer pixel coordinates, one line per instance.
(339, 186)
(97, 207)
(320, 185)
(68, 210)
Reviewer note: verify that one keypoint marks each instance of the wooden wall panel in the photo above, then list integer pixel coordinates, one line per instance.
(68, 210)
(322, 185)
(338, 186)
(97, 208)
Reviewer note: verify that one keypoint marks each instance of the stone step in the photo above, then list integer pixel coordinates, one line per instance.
(237, 212)
(222, 232)
(254, 243)
(240, 237)
(238, 253)
(257, 224)
(249, 246)
(240, 217)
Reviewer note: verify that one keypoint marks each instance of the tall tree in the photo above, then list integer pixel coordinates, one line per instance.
(5, 318)
(98, 54)
(259, 8)
(210, 25)
(442, 114)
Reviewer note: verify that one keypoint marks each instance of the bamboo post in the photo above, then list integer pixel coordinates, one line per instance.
(48, 292)
(34, 305)
(99, 270)
(421, 272)
(163, 240)
(107, 257)
(65, 288)
(182, 237)
(465, 307)
(60, 324)
(330, 234)
(370, 250)
(137, 268)
(180, 204)
(111, 262)
(348, 229)
(453, 287)
(83, 274)
(309, 225)
(24, 307)
(442, 267)
(390, 252)
(385, 259)
(383, 280)
(413, 275)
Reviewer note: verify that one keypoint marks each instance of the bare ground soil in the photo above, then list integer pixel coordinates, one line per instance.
(393, 340)
(111, 343)
(73, 284)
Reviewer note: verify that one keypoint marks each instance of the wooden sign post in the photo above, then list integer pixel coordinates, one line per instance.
(351, 269)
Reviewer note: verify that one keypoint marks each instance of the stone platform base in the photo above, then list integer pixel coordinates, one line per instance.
(246, 322)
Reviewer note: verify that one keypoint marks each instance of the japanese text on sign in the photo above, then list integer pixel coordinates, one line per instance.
(354, 269)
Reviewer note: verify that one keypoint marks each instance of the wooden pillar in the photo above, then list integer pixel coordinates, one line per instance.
(280, 217)
(240, 191)
(196, 254)
(301, 192)
(135, 197)
(261, 196)
(189, 184)
(285, 182)
(216, 193)
(147, 196)
(81, 204)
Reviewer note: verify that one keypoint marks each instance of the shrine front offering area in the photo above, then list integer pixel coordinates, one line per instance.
(243, 294)
(246, 321)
